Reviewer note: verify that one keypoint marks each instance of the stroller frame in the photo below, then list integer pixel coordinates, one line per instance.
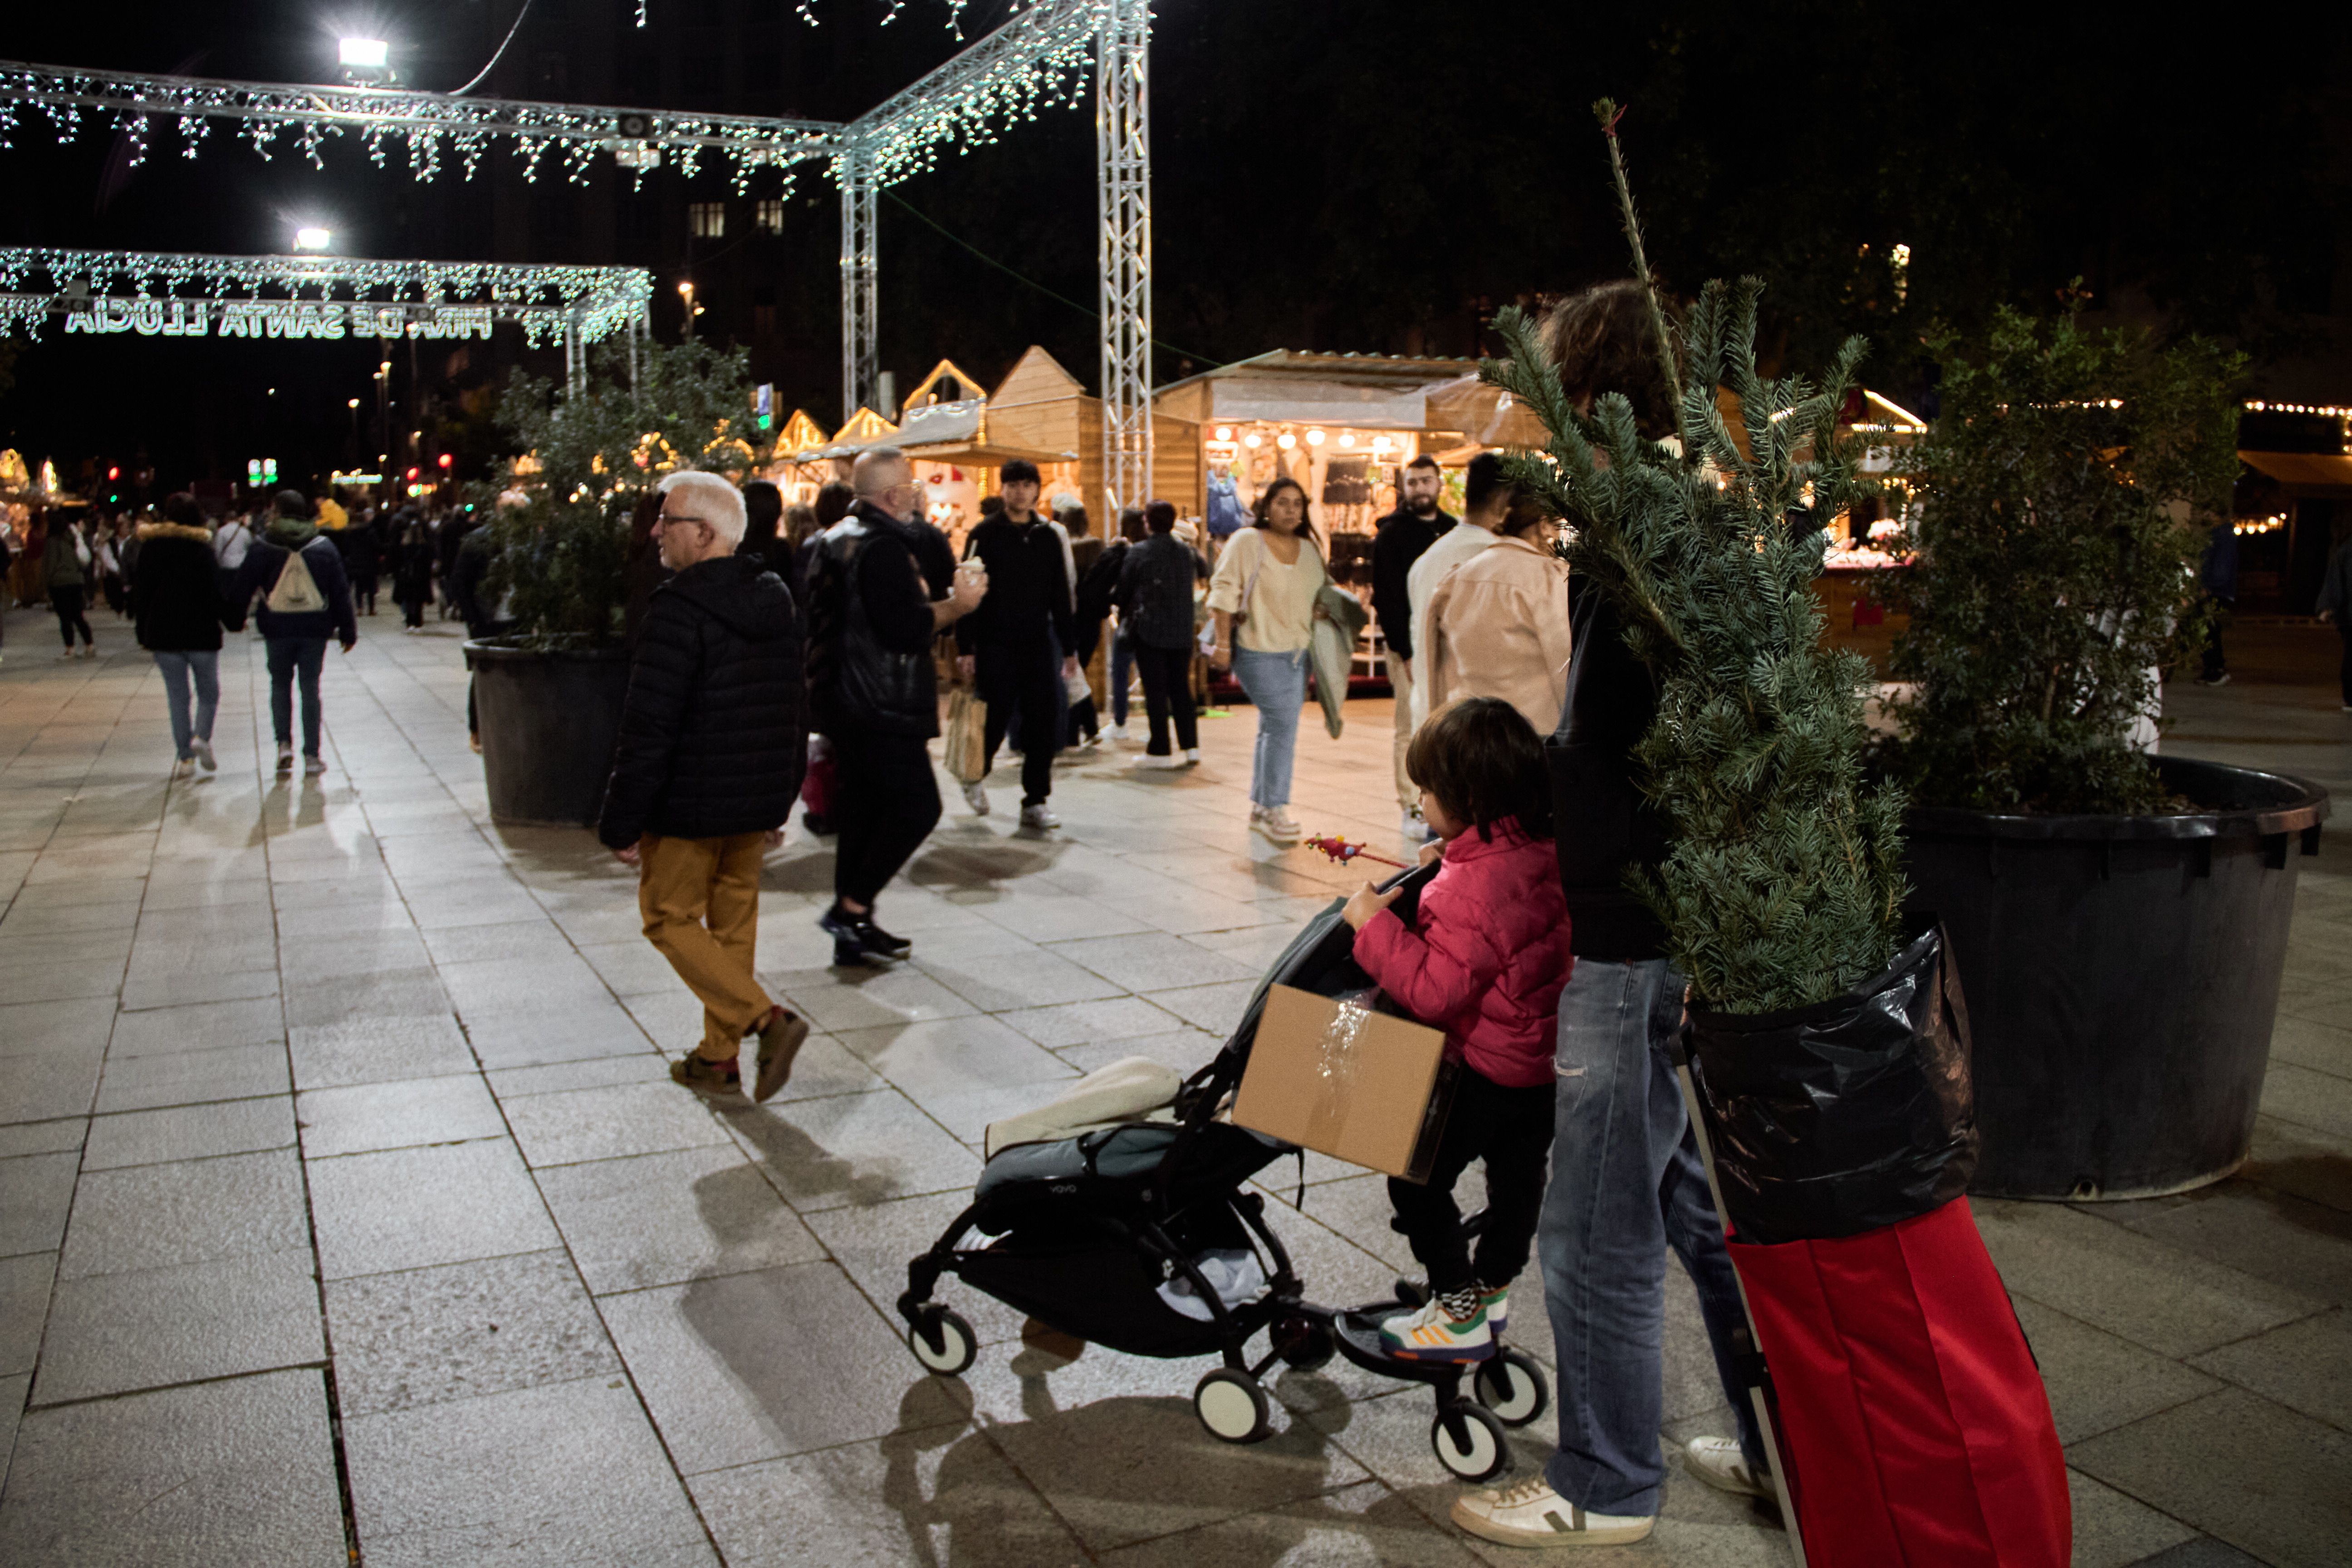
(1469, 1433)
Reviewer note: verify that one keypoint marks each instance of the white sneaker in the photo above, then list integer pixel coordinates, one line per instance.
(183, 766)
(1192, 756)
(313, 766)
(1532, 1514)
(1158, 762)
(1719, 1462)
(975, 796)
(1039, 816)
(1117, 733)
(1430, 1332)
(205, 758)
(1276, 823)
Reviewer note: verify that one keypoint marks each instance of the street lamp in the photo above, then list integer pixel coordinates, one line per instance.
(686, 292)
(355, 432)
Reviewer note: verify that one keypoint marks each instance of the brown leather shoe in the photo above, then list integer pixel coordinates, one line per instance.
(706, 1076)
(780, 1039)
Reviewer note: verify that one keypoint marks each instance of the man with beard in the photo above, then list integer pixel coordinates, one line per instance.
(1404, 535)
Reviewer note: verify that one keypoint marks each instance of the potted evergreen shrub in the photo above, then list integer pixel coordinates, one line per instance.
(2120, 917)
(549, 690)
(1828, 1041)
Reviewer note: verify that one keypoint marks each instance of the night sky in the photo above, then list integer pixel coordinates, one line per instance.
(1374, 175)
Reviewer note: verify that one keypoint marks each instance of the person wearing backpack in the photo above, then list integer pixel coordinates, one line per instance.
(1155, 611)
(306, 599)
(66, 560)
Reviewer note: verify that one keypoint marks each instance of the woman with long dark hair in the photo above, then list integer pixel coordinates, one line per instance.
(1263, 601)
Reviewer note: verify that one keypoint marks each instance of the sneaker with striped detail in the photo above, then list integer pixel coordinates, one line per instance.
(1497, 1305)
(1432, 1334)
(1532, 1514)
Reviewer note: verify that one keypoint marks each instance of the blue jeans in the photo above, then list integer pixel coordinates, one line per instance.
(1122, 670)
(1626, 1183)
(203, 664)
(290, 656)
(1275, 684)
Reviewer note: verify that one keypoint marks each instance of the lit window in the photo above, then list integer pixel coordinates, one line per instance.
(706, 220)
(772, 214)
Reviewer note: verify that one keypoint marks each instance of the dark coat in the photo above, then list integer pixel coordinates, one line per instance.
(714, 733)
(1402, 538)
(412, 566)
(1029, 598)
(175, 590)
(1155, 591)
(259, 575)
(1603, 826)
(870, 630)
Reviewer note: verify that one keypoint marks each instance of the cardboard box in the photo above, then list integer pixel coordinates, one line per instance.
(1336, 1078)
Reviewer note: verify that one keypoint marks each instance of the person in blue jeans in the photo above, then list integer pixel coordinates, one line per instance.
(176, 602)
(1262, 598)
(295, 624)
(1627, 1185)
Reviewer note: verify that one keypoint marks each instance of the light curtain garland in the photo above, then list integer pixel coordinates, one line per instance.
(1038, 58)
(168, 295)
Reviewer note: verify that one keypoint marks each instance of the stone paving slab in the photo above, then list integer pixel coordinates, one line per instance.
(332, 1087)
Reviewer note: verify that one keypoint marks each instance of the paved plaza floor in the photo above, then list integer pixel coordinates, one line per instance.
(347, 1213)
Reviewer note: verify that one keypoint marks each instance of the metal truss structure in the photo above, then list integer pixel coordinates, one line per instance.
(425, 121)
(1037, 58)
(1123, 189)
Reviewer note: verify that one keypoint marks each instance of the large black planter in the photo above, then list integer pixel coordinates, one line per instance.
(548, 725)
(2122, 977)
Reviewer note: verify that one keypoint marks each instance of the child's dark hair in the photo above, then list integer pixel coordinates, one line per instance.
(1483, 762)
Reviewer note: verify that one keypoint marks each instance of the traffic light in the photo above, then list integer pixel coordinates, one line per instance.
(112, 475)
(412, 476)
(765, 406)
(444, 460)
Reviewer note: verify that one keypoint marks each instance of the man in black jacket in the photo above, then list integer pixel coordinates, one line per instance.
(1404, 534)
(873, 694)
(1009, 645)
(714, 739)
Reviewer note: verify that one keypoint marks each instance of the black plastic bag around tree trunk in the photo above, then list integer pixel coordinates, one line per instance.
(1847, 1115)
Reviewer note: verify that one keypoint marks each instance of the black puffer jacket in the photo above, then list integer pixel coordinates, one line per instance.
(870, 630)
(714, 735)
(175, 592)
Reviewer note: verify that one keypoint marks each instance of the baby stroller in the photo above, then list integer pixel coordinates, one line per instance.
(1118, 1215)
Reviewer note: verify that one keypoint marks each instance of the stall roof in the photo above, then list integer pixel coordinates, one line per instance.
(1378, 392)
(936, 432)
(2303, 470)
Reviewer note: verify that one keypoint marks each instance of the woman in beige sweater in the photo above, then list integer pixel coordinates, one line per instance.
(1499, 624)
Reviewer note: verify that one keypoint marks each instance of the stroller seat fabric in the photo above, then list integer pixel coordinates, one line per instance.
(1125, 1090)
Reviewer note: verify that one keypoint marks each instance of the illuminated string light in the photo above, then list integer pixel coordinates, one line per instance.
(171, 295)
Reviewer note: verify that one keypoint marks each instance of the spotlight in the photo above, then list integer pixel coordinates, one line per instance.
(312, 238)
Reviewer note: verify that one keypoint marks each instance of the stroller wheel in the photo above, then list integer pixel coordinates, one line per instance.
(941, 1339)
(1512, 1385)
(1302, 1343)
(1231, 1404)
(1469, 1440)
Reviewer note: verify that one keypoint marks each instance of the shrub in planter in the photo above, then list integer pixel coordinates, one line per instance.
(2120, 919)
(551, 688)
(1829, 1048)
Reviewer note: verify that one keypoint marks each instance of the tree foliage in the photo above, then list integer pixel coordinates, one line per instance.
(562, 554)
(1782, 885)
(2064, 494)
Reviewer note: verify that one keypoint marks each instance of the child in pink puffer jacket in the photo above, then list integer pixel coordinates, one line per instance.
(1484, 960)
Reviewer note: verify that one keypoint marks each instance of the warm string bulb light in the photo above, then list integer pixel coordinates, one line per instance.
(421, 299)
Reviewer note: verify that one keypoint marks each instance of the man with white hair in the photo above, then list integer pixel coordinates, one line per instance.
(713, 742)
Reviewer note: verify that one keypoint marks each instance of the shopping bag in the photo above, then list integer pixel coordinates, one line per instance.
(966, 736)
(816, 783)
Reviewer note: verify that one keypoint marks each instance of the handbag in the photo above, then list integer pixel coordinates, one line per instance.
(966, 736)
